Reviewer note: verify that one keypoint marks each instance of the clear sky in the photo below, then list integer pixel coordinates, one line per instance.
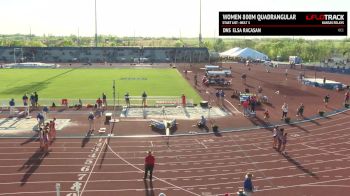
(147, 18)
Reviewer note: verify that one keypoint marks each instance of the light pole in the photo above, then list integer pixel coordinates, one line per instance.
(200, 23)
(95, 25)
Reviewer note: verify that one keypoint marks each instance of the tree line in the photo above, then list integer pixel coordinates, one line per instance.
(276, 49)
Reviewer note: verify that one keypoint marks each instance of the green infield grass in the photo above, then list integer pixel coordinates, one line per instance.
(90, 83)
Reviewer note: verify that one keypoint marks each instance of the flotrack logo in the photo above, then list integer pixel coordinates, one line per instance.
(325, 17)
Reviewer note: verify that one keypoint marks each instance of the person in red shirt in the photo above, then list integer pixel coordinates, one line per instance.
(245, 108)
(346, 98)
(149, 165)
(99, 103)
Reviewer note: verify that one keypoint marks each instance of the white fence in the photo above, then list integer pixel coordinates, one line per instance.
(153, 101)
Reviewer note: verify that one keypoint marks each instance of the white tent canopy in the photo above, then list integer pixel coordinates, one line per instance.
(230, 52)
(246, 53)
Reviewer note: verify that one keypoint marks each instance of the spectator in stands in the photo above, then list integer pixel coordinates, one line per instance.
(144, 99)
(248, 184)
(36, 99)
(41, 120)
(25, 99)
(104, 100)
(326, 100)
(284, 111)
(91, 119)
(127, 99)
(149, 165)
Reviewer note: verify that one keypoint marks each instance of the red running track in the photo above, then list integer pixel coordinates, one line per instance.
(317, 163)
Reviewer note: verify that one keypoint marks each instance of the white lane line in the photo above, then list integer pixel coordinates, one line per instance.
(327, 185)
(33, 192)
(237, 111)
(258, 147)
(260, 155)
(121, 158)
(308, 184)
(250, 134)
(318, 148)
(201, 143)
(87, 179)
(252, 161)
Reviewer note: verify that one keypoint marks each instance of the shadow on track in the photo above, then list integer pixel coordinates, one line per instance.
(32, 164)
(300, 167)
(149, 189)
(34, 138)
(312, 121)
(86, 139)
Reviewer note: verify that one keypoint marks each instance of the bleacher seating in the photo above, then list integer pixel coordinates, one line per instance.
(106, 54)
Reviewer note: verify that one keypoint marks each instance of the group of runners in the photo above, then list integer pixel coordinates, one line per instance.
(47, 134)
(279, 139)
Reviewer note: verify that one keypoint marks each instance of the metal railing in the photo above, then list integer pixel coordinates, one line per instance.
(153, 101)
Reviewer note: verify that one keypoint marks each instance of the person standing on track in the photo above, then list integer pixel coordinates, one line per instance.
(36, 99)
(284, 142)
(266, 115)
(286, 74)
(104, 100)
(275, 132)
(25, 100)
(41, 120)
(280, 135)
(346, 97)
(222, 97)
(284, 111)
(326, 100)
(300, 110)
(99, 103)
(91, 119)
(149, 165)
(52, 130)
(144, 99)
(127, 99)
(248, 185)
